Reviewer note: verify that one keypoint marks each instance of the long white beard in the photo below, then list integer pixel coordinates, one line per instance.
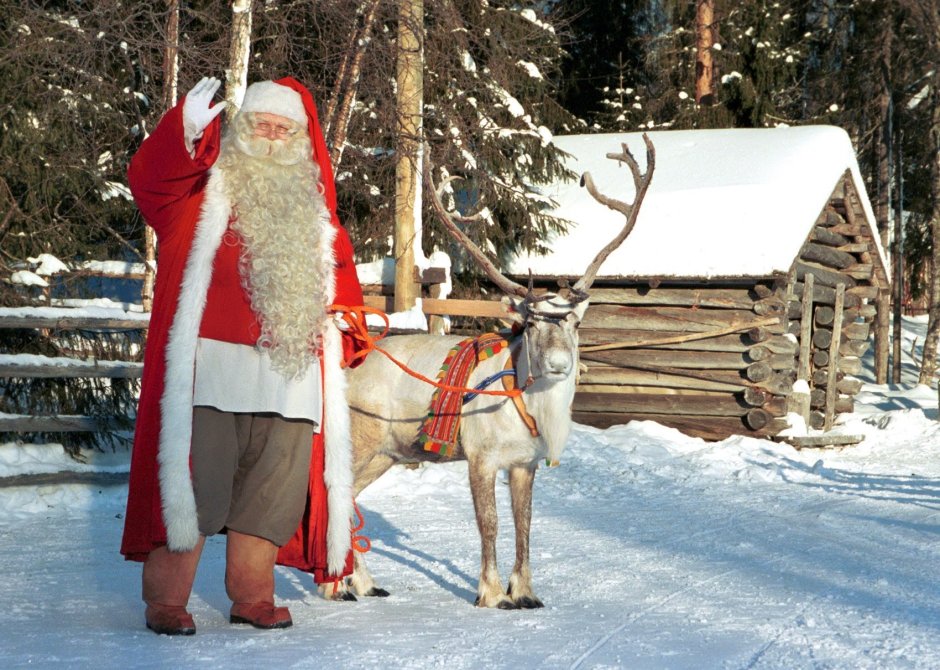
(280, 214)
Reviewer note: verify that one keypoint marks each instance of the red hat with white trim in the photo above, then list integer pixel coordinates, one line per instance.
(273, 98)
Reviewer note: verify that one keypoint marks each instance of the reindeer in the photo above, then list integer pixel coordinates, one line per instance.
(388, 406)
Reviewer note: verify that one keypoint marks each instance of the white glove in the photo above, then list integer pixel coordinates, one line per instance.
(196, 111)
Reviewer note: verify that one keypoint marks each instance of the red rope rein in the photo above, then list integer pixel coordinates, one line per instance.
(355, 319)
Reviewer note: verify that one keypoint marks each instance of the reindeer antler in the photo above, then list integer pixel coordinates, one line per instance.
(642, 182)
(450, 219)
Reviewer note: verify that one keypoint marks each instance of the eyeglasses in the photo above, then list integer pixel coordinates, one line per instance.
(280, 131)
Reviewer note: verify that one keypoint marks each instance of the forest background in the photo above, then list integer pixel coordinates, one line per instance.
(84, 82)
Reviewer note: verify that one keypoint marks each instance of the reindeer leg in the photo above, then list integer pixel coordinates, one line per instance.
(521, 478)
(360, 582)
(483, 489)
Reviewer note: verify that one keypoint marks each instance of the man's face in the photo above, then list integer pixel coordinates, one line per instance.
(271, 136)
(273, 126)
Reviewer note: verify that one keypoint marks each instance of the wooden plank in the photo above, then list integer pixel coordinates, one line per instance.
(834, 359)
(675, 296)
(734, 342)
(659, 403)
(728, 380)
(81, 369)
(693, 360)
(806, 306)
(668, 320)
(705, 427)
(57, 424)
(452, 307)
(621, 390)
(827, 440)
(61, 478)
(625, 377)
(73, 322)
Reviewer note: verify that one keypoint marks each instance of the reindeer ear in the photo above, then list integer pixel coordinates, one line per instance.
(515, 308)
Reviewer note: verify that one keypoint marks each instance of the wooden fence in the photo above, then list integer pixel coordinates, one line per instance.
(51, 319)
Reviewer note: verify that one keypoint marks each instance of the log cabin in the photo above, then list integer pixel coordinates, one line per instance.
(741, 304)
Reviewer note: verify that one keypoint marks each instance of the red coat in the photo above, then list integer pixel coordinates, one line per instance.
(182, 199)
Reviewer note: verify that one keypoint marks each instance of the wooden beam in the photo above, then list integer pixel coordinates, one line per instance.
(728, 404)
(479, 308)
(697, 296)
(831, 393)
(705, 427)
(806, 306)
(58, 424)
(827, 440)
(73, 322)
(77, 369)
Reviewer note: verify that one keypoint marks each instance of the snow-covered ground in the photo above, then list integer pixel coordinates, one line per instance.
(650, 549)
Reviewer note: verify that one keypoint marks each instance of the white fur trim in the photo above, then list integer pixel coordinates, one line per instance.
(337, 469)
(176, 405)
(266, 96)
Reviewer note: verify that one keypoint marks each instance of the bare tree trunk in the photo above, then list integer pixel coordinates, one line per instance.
(339, 107)
(170, 83)
(898, 263)
(882, 204)
(928, 365)
(704, 40)
(236, 77)
(410, 88)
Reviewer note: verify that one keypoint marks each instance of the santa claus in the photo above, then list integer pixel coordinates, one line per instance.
(242, 425)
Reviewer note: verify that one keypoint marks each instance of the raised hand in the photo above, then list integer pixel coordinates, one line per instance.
(197, 114)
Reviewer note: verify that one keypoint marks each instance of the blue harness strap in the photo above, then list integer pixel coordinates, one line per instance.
(486, 382)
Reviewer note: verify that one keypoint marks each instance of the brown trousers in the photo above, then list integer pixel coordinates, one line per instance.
(250, 472)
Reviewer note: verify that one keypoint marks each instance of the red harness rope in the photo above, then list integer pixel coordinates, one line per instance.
(355, 319)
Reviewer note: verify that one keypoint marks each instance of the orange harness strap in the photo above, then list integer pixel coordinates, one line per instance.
(354, 317)
(509, 383)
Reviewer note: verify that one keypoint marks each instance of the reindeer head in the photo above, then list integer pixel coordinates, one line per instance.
(549, 321)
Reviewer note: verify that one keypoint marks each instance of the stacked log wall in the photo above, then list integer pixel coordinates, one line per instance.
(734, 350)
(838, 252)
(709, 360)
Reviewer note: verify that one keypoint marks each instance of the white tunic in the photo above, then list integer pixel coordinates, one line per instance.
(239, 378)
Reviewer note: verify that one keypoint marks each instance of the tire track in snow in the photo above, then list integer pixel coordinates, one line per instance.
(642, 613)
(796, 512)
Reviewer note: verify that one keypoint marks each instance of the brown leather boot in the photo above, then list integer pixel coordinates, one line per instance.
(261, 615)
(169, 619)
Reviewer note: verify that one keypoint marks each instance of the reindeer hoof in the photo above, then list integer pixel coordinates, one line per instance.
(504, 604)
(343, 595)
(528, 603)
(376, 592)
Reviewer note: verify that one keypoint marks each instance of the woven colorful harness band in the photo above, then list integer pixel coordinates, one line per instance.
(438, 433)
(440, 429)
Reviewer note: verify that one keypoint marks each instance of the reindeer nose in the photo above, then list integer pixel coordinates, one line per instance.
(558, 361)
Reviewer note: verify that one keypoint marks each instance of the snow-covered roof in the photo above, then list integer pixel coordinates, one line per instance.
(722, 203)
